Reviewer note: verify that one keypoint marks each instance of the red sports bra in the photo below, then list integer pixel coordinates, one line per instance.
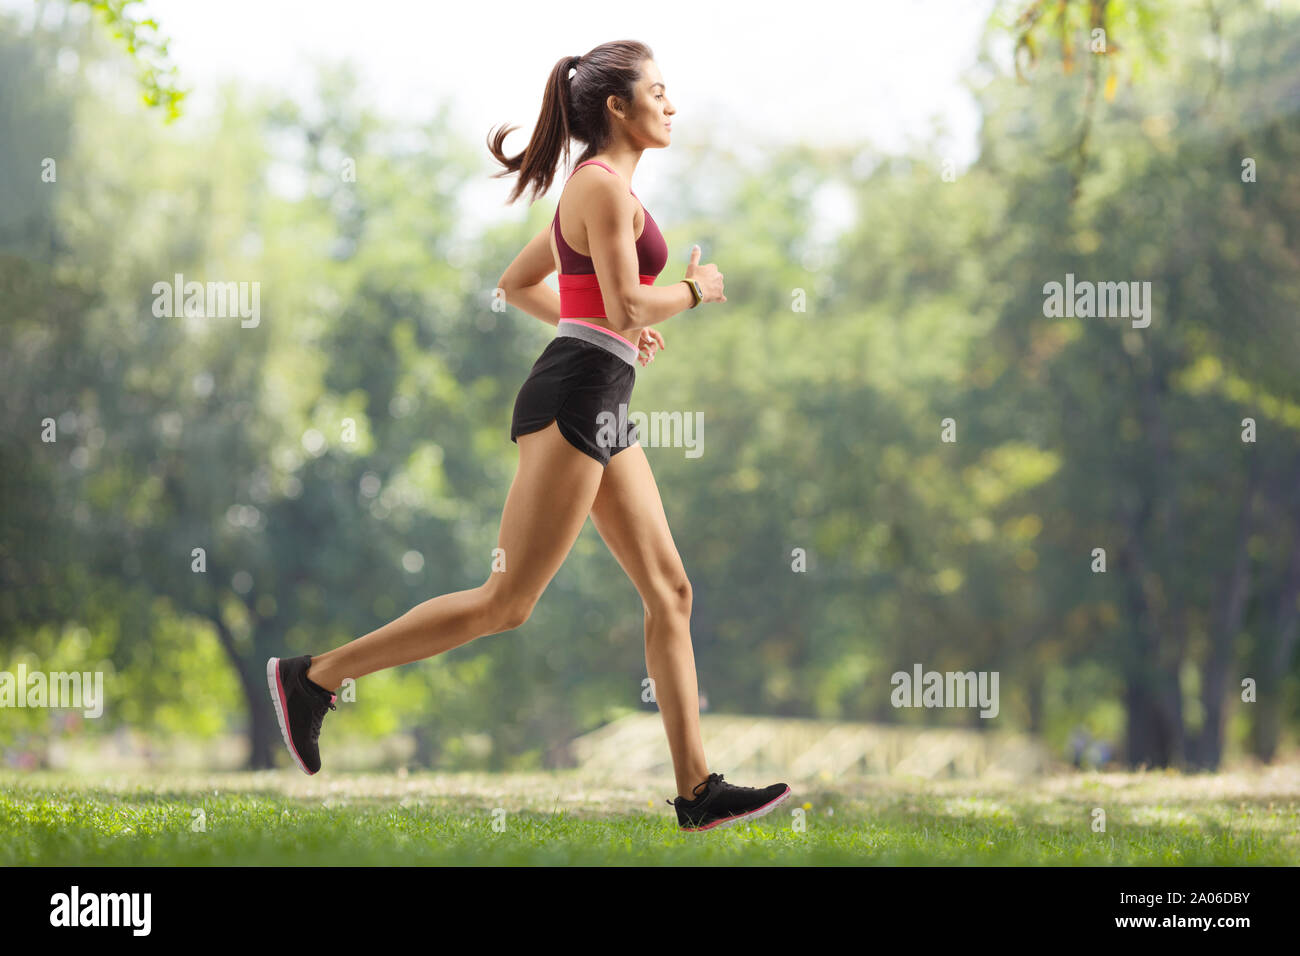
(580, 296)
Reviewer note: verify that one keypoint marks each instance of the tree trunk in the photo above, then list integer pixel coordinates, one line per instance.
(1154, 733)
(428, 745)
(1224, 628)
(1277, 656)
(263, 731)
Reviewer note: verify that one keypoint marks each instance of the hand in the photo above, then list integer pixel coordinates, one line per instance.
(708, 276)
(647, 343)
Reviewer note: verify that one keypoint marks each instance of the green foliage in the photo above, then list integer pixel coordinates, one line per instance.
(1079, 28)
(144, 43)
(822, 427)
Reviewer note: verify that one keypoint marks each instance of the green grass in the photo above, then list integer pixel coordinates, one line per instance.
(282, 817)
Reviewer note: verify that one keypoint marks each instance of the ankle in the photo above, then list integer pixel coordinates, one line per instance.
(319, 676)
(692, 794)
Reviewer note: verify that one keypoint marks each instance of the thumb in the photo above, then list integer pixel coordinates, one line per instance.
(695, 255)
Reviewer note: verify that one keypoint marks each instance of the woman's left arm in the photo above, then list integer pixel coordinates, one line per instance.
(523, 286)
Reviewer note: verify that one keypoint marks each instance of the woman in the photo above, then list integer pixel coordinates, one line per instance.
(572, 462)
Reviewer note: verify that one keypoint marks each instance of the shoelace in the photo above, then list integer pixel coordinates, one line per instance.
(714, 777)
(318, 715)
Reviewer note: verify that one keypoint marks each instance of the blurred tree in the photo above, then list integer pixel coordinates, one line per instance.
(347, 457)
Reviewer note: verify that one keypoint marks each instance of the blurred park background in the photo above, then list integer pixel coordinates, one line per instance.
(347, 457)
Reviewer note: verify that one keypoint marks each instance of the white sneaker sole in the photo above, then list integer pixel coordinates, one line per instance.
(277, 700)
(764, 810)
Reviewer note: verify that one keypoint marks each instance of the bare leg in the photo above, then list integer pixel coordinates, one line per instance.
(629, 515)
(545, 510)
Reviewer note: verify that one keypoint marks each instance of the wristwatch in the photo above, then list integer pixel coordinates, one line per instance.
(696, 294)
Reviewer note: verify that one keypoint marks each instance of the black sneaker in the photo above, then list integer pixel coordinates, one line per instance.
(721, 804)
(299, 707)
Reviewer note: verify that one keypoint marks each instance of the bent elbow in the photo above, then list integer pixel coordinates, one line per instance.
(628, 316)
(505, 293)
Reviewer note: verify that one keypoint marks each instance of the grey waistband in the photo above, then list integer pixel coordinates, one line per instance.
(609, 341)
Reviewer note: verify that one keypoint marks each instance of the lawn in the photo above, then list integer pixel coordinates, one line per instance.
(566, 818)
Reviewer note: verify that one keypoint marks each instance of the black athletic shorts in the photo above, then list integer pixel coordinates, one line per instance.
(583, 381)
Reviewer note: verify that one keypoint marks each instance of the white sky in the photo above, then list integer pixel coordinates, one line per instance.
(806, 70)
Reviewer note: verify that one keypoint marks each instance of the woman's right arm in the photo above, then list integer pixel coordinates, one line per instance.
(611, 235)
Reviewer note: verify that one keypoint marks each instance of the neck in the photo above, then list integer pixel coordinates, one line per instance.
(622, 158)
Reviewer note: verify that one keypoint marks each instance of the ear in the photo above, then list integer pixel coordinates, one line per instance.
(616, 106)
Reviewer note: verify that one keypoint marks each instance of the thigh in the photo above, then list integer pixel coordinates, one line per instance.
(629, 514)
(546, 507)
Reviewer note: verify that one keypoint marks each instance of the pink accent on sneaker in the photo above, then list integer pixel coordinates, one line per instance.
(283, 714)
(728, 821)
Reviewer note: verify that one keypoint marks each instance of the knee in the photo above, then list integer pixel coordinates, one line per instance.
(671, 599)
(503, 610)
(514, 613)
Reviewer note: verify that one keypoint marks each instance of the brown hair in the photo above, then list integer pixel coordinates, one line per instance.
(572, 108)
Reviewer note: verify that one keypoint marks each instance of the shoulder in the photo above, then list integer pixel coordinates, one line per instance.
(596, 184)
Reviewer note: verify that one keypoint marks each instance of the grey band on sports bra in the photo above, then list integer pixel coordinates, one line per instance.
(609, 341)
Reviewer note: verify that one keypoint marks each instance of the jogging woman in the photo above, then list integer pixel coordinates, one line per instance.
(576, 455)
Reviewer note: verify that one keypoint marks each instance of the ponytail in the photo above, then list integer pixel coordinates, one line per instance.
(572, 108)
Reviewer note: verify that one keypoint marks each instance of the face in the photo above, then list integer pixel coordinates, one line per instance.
(649, 122)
